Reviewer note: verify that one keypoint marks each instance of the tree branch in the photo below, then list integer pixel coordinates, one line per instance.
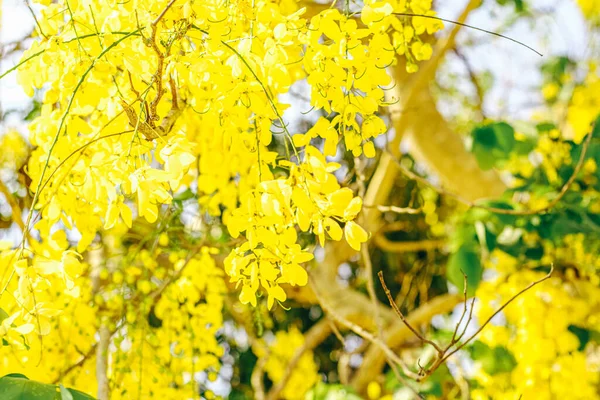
(397, 334)
(404, 247)
(443, 353)
(401, 315)
(102, 363)
(563, 191)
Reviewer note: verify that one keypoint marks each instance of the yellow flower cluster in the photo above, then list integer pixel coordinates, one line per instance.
(537, 333)
(15, 150)
(175, 335)
(346, 68)
(279, 353)
(591, 9)
(310, 198)
(162, 309)
(146, 100)
(585, 104)
(575, 250)
(553, 154)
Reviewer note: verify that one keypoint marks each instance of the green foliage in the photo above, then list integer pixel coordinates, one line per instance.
(465, 261)
(434, 386)
(35, 111)
(556, 68)
(494, 360)
(3, 315)
(19, 387)
(585, 336)
(485, 229)
(493, 143)
(519, 4)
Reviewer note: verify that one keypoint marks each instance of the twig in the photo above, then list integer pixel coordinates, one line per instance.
(360, 331)
(102, 363)
(474, 80)
(404, 247)
(371, 287)
(498, 311)
(401, 315)
(37, 23)
(79, 363)
(256, 379)
(395, 209)
(470, 27)
(451, 348)
(162, 14)
(336, 331)
(462, 316)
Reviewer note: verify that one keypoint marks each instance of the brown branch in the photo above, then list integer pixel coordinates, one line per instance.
(565, 188)
(398, 334)
(371, 287)
(405, 247)
(101, 349)
(133, 89)
(148, 127)
(102, 363)
(162, 14)
(256, 379)
(336, 331)
(79, 363)
(474, 80)
(359, 330)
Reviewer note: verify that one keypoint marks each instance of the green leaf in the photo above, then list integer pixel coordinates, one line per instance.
(555, 69)
(77, 395)
(15, 375)
(3, 315)
(19, 387)
(535, 253)
(465, 260)
(493, 143)
(582, 334)
(545, 127)
(524, 147)
(596, 131)
(494, 360)
(519, 4)
(65, 394)
(35, 111)
(185, 195)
